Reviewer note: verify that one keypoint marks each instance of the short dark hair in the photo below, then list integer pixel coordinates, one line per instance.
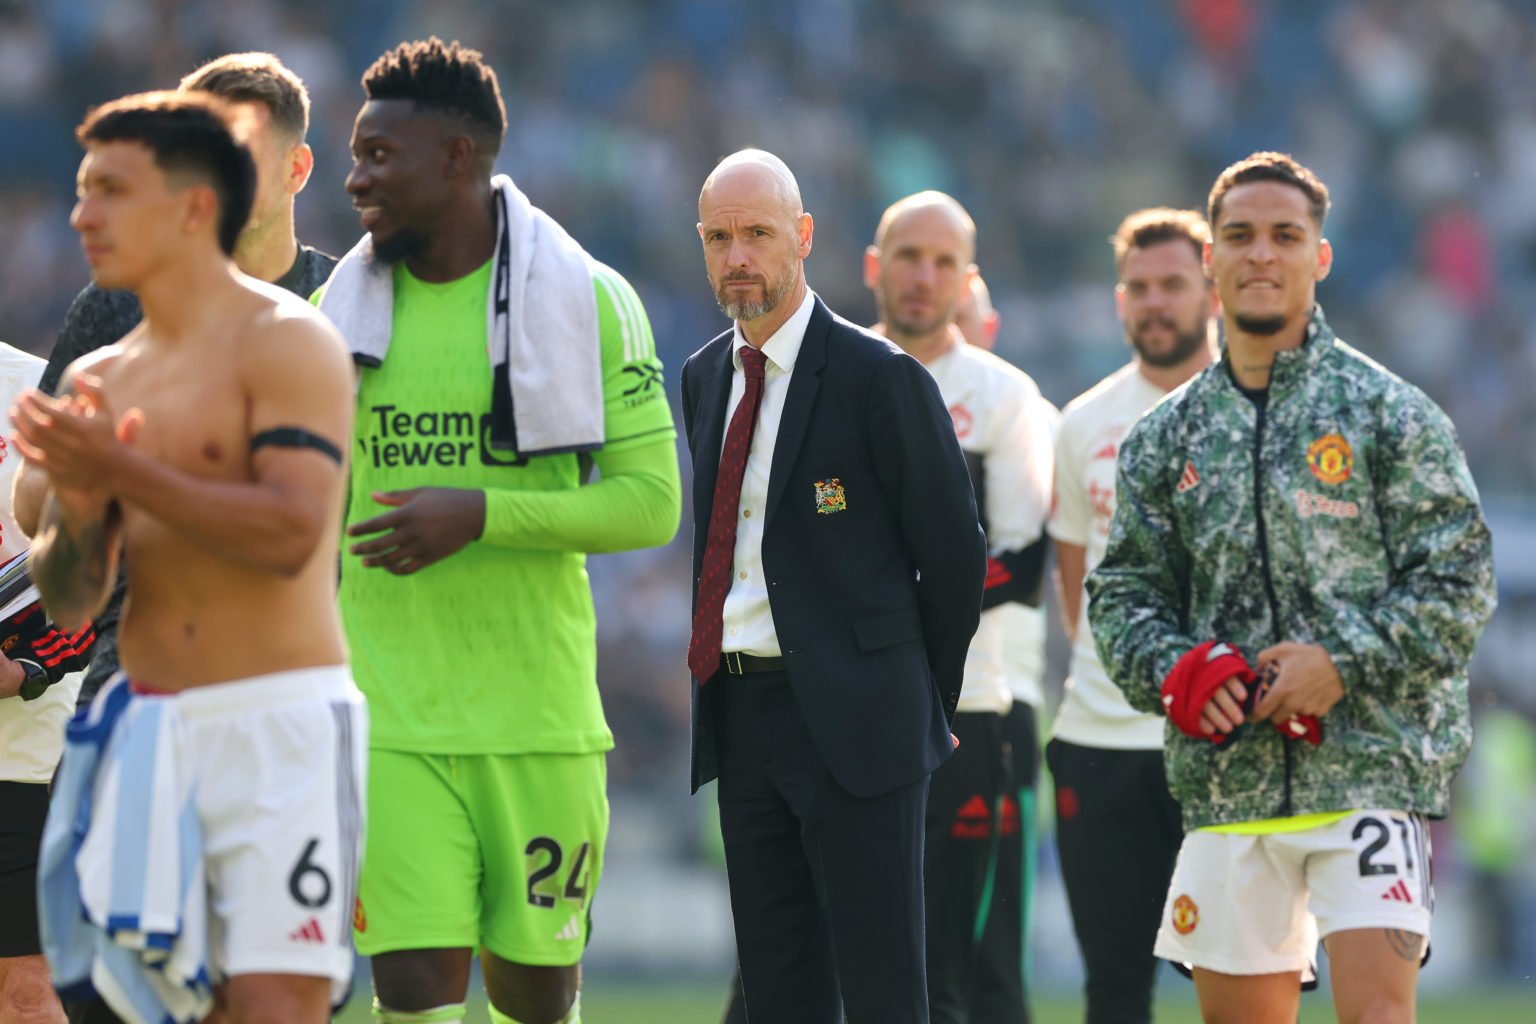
(447, 77)
(189, 135)
(1269, 166)
(257, 78)
(1158, 224)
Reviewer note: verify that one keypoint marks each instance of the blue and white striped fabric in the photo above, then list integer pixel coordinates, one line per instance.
(122, 895)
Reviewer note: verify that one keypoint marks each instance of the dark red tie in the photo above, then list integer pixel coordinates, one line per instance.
(720, 546)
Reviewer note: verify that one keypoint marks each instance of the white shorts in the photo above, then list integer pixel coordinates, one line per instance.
(1257, 904)
(280, 763)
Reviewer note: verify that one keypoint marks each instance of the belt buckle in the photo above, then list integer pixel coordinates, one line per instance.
(733, 664)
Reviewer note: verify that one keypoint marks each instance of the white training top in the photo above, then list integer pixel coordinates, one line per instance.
(31, 732)
(1000, 416)
(1093, 711)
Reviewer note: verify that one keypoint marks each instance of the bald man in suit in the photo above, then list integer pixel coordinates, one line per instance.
(839, 567)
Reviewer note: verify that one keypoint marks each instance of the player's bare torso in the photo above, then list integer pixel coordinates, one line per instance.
(195, 615)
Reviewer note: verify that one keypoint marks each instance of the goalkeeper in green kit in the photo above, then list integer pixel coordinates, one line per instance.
(500, 366)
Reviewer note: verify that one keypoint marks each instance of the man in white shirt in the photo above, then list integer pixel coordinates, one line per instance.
(981, 804)
(1024, 650)
(839, 568)
(39, 677)
(1117, 829)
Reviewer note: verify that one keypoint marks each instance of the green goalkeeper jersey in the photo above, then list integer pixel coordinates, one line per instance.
(493, 649)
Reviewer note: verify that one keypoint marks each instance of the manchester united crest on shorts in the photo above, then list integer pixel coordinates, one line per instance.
(1185, 915)
(829, 496)
(1331, 458)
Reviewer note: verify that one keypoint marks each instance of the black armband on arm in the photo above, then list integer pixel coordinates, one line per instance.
(1017, 576)
(295, 437)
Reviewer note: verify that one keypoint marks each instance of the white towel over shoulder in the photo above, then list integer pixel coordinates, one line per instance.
(541, 328)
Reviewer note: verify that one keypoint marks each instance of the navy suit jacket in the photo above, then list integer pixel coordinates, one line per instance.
(874, 605)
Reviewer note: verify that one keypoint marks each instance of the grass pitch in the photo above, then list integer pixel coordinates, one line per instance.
(693, 1003)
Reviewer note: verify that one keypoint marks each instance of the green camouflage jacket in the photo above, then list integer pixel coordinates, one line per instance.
(1344, 516)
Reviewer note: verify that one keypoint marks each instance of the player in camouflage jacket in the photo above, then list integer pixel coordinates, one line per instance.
(1342, 514)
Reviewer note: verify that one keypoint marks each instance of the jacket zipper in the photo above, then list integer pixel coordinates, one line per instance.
(1260, 412)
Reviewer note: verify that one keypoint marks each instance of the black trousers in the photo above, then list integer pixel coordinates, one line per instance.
(1118, 833)
(23, 812)
(826, 888)
(978, 867)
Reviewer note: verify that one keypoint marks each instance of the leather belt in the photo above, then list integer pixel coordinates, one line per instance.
(737, 664)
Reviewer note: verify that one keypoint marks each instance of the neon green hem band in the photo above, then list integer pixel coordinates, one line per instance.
(1273, 826)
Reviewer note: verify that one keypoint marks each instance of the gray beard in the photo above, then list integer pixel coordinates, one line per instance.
(744, 310)
(1260, 325)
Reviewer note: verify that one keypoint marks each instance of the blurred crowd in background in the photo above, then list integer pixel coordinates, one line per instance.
(1048, 119)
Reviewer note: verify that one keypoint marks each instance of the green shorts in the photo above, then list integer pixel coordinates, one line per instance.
(501, 851)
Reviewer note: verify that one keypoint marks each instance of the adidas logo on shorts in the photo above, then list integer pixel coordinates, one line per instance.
(1398, 893)
(572, 930)
(309, 933)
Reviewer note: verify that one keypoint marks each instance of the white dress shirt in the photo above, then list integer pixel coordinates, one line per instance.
(748, 621)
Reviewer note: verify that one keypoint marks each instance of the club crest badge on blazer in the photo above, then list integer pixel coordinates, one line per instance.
(829, 496)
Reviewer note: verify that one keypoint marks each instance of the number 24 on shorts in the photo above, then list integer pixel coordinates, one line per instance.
(543, 881)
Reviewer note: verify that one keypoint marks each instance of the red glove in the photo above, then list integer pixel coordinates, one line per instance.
(1195, 679)
(1302, 727)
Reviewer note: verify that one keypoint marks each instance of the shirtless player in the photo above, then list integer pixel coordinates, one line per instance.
(207, 446)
